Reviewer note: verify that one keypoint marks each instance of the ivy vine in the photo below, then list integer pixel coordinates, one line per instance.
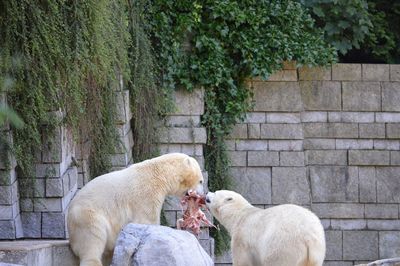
(217, 45)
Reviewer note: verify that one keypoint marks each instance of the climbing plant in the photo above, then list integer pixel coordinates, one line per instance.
(218, 45)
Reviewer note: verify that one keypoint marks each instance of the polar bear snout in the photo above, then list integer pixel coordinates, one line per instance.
(209, 197)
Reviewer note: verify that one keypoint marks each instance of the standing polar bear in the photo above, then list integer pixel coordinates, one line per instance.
(285, 235)
(133, 195)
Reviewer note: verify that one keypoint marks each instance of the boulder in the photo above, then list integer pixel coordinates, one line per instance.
(151, 245)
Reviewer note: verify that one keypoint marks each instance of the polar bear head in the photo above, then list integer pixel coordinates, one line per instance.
(225, 205)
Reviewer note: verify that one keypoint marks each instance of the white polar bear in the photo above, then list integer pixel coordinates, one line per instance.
(133, 195)
(284, 235)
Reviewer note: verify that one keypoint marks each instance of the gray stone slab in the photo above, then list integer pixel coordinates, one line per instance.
(386, 117)
(361, 96)
(394, 72)
(254, 131)
(358, 117)
(338, 210)
(373, 131)
(393, 131)
(7, 177)
(382, 211)
(252, 145)
(290, 185)
(6, 197)
(388, 184)
(346, 72)
(286, 118)
(189, 103)
(7, 229)
(47, 205)
(6, 212)
(319, 144)
(360, 245)
(326, 157)
(292, 158)
(281, 131)
(238, 158)
(334, 184)
(391, 96)
(321, 95)
(389, 244)
(338, 263)
(255, 117)
(277, 96)
(285, 145)
(263, 158)
(354, 144)
(183, 135)
(54, 187)
(53, 225)
(239, 131)
(254, 183)
(348, 224)
(369, 157)
(31, 224)
(314, 73)
(381, 225)
(183, 121)
(331, 130)
(309, 117)
(395, 158)
(334, 244)
(367, 184)
(375, 72)
(386, 144)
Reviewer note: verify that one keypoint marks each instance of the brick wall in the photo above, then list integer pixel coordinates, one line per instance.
(327, 139)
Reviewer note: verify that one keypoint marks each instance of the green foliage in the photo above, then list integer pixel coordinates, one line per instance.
(9, 115)
(71, 61)
(217, 45)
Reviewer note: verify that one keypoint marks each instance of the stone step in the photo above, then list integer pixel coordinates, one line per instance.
(37, 253)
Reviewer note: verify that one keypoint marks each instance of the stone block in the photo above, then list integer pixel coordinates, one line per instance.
(26, 205)
(319, 144)
(321, 95)
(238, 158)
(230, 145)
(326, 157)
(315, 73)
(354, 224)
(307, 117)
(294, 158)
(381, 225)
(387, 117)
(354, 144)
(388, 184)
(395, 158)
(53, 225)
(277, 96)
(367, 184)
(361, 96)
(289, 65)
(283, 118)
(171, 217)
(285, 145)
(253, 183)
(334, 184)
(334, 242)
(331, 130)
(326, 223)
(358, 117)
(369, 157)
(6, 212)
(338, 210)
(290, 185)
(47, 205)
(381, 211)
(338, 263)
(121, 159)
(255, 117)
(389, 244)
(386, 144)
(281, 131)
(254, 131)
(360, 245)
(346, 72)
(391, 96)
(7, 177)
(263, 158)
(373, 131)
(54, 187)
(393, 131)
(334, 117)
(183, 135)
(6, 197)
(283, 75)
(183, 121)
(189, 103)
(121, 107)
(375, 72)
(172, 204)
(48, 170)
(394, 72)
(251, 145)
(192, 149)
(239, 131)
(31, 224)
(170, 148)
(7, 230)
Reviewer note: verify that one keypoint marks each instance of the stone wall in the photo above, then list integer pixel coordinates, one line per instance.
(327, 139)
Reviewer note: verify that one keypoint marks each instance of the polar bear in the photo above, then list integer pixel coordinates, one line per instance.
(284, 235)
(133, 195)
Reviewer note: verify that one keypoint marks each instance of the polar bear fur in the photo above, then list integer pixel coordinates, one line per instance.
(285, 235)
(133, 195)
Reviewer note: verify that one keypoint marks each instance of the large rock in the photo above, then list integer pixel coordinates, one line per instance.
(147, 245)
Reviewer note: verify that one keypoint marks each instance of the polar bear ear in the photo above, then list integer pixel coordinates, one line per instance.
(187, 161)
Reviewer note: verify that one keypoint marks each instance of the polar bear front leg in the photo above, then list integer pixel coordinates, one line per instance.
(241, 256)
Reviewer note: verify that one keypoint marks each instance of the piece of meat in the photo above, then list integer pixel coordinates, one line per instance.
(193, 217)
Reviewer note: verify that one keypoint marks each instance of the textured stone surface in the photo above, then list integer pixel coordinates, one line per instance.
(357, 117)
(53, 225)
(367, 179)
(7, 229)
(369, 157)
(251, 145)
(353, 224)
(254, 131)
(388, 184)
(373, 131)
(290, 185)
(285, 145)
(263, 158)
(31, 224)
(393, 131)
(315, 73)
(331, 130)
(277, 96)
(308, 117)
(354, 144)
(389, 244)
(239, 131)
(281, 131)
(254, 183)
(287, 118)
(375, 72)
(319, 144)
(391, 96)
(255, 117)
(333, 245)
(384, 224)
(189, 103)
(382, 211)
(326, 157)
(346, 72)
(238, 158)
(136, 246)
(321, 95)
(334, 184)
(387, 117)
(394, 72)
(294, 158)
(360, 245)
(284, 75)
(338, 210)
(183, 135)
(361, 96)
